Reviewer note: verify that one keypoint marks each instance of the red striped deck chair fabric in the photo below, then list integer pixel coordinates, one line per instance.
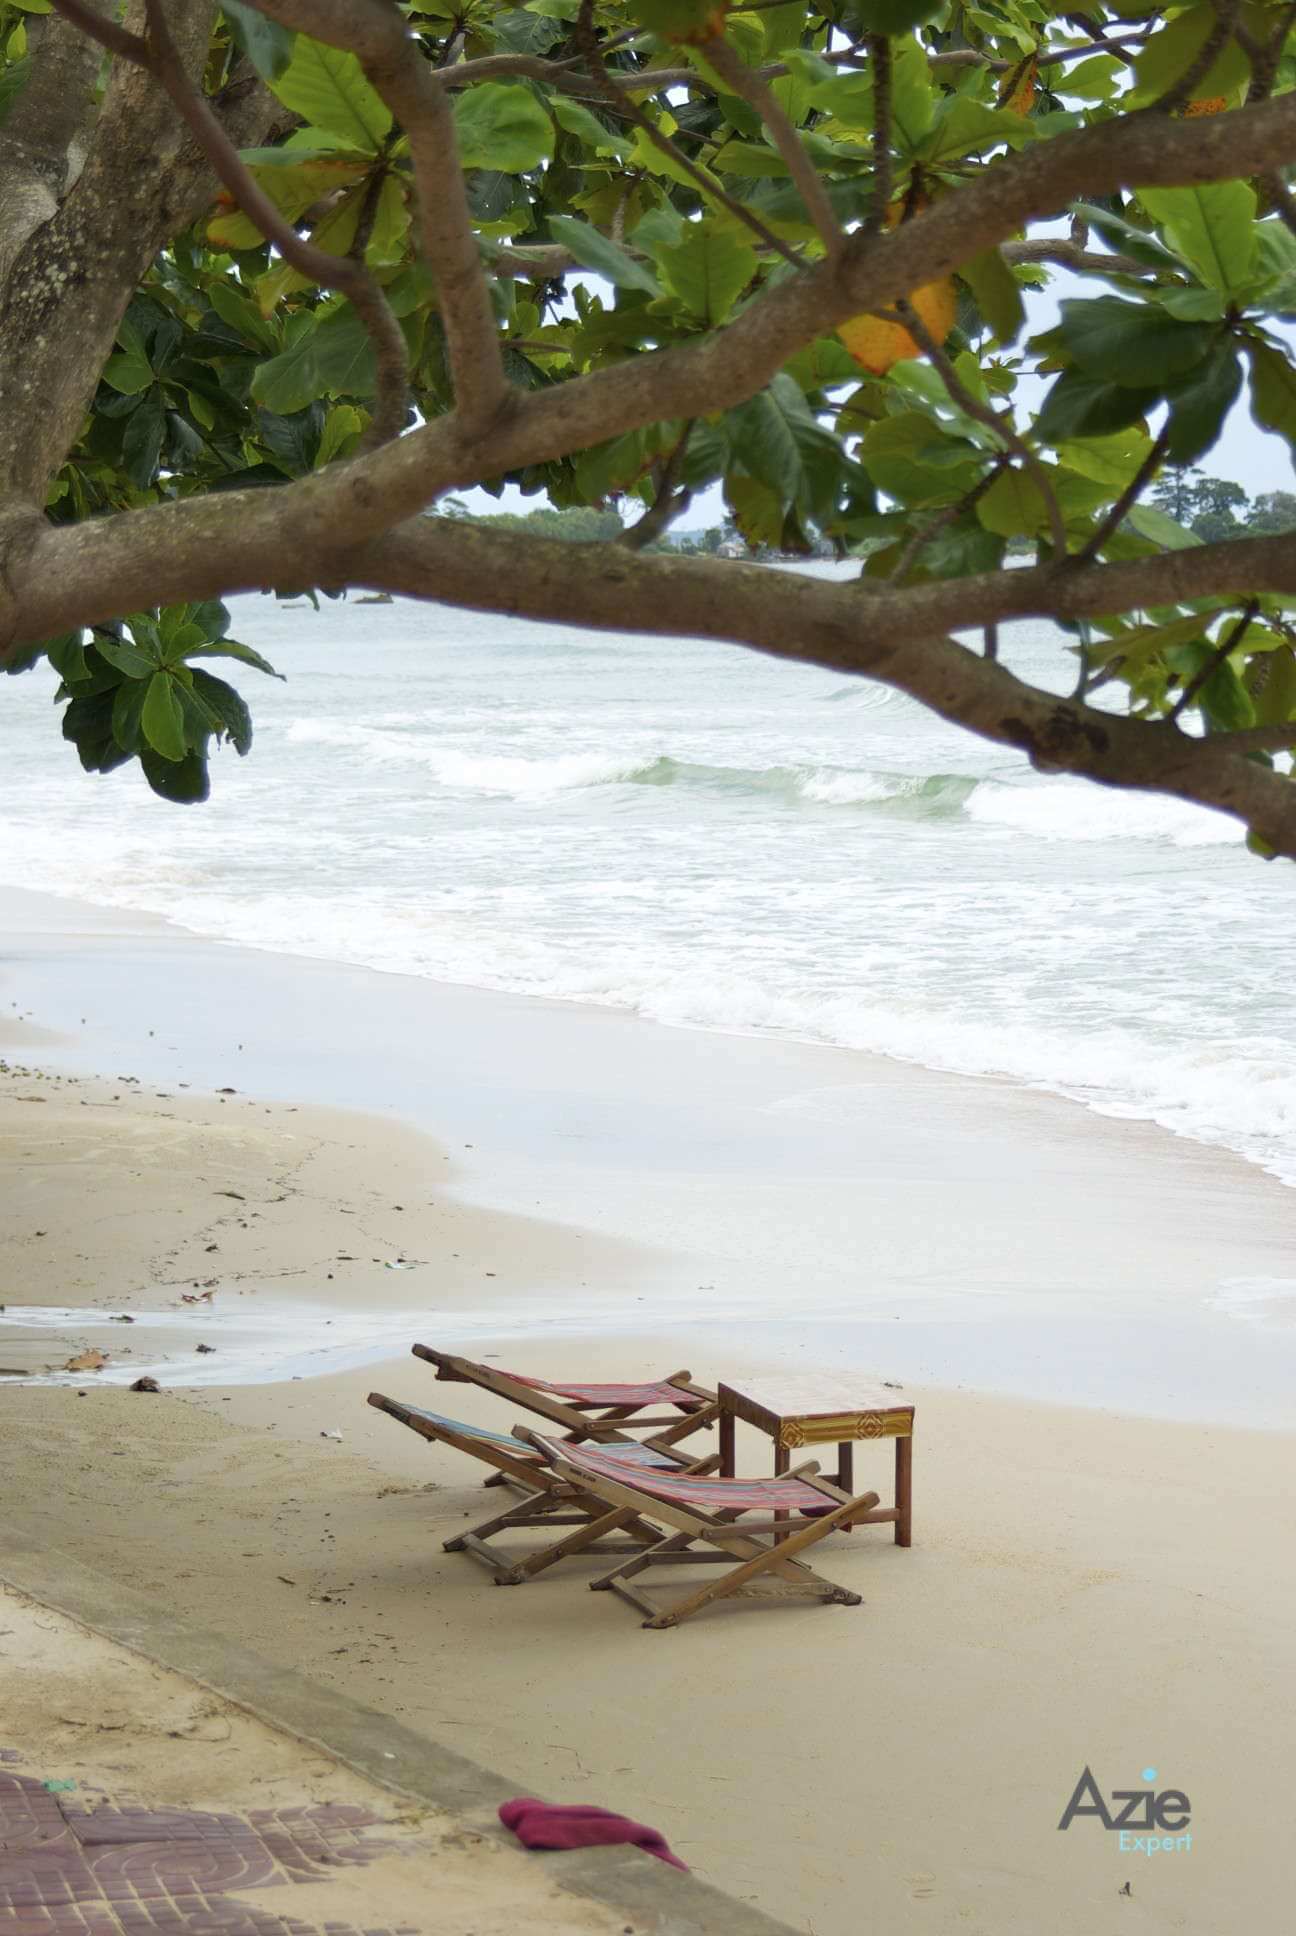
(710, 1525)
(590, 1410)
(546, 1498)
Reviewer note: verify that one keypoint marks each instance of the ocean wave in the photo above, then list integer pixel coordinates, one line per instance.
(1048, 810)
(1065, 809)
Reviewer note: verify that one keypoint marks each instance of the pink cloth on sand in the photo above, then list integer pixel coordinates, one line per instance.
(555, 1825)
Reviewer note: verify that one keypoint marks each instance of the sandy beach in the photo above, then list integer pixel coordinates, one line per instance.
(1107, 1581)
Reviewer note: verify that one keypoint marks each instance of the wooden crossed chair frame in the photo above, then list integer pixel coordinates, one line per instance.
(710, 1525)
(546, 1498)
(591, 1411)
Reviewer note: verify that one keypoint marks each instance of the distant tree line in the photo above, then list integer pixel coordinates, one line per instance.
(1212, 508)
(1216, 508)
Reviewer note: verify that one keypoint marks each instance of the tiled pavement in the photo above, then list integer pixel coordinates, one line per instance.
(112, 1870)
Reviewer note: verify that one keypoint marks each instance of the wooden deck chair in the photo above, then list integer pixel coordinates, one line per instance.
(546, 1500)
(591, 1411)
(759, 1555)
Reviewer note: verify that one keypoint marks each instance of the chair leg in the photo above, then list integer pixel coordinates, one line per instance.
(586, 1538)
(740, 1576)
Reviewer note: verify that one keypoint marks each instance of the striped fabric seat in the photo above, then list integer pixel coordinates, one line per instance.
(620, 1455)
(656, 1394)
(711, 1495)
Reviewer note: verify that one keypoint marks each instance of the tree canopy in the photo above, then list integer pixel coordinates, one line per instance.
(277, 280)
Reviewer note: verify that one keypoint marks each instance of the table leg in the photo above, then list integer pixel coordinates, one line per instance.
(727, 1426)
(904, 1491)
(782, 1460)
(844, 1477)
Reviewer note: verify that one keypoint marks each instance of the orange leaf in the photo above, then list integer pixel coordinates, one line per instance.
(1019, 91)
(876, 344)
(1215, 105)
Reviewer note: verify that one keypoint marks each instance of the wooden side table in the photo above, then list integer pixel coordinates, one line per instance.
(796, 1412)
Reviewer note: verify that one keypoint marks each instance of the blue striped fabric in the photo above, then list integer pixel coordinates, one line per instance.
(627, 1454)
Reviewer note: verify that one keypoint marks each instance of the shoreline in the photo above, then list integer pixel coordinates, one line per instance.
(127, 920)
(959, 1232)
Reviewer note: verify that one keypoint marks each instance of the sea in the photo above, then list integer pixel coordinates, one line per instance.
(707, 837)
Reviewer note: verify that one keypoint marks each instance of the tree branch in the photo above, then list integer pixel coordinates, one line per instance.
(883, 165)
(46, 126)
(190, 548)
(790, 616)
(668, 504)
(1069, 255)
(750, 88)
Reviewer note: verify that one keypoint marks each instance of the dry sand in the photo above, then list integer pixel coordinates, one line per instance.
(1083, 1588)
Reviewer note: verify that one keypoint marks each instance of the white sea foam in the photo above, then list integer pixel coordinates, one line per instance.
(1076, 810)
(1269, 1303)
(711, 840)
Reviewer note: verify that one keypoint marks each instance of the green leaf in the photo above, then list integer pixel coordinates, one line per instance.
(595, 251)
(709, 270)
(757, 510)
(142, 442)
(161, 720)
(1081, 405)
(913, 99)
(1160, 529)
(997, 294)
(910, 458)
(229, 707)
(577, 120)
(1168, 55)
(130, 659)
(1275, 702)
(1273, 390)
(1107, 460)
(128, 704)
(129, 370)
(328, 88)
(1211, 227)
(960, 549)
(1133, 344)
(233, 649)
(184, 781)
(88, 723)
(1200, 402)
(1223, 700)
(892, 16)
(501, 125)
(1013, 506)
(342, 427)
(760, 437)
(293, 182)
(964, 127)
(330, 353)
(267, 45)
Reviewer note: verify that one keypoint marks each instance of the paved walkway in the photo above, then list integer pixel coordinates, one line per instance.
(132, 1801)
